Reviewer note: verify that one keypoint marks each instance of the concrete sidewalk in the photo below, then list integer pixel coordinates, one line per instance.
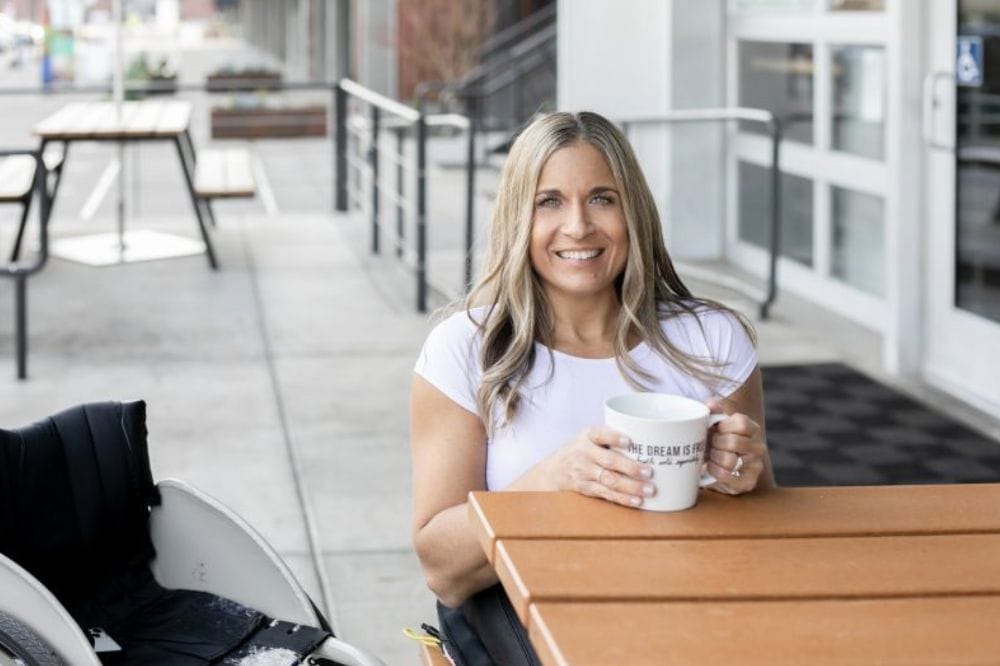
(279, 385)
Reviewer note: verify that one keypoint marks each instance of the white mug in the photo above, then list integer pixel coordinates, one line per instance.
(669, 433)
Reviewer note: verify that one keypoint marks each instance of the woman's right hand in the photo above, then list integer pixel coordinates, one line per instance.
(593, 464)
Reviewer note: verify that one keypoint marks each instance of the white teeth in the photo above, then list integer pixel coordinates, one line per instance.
(578, 254)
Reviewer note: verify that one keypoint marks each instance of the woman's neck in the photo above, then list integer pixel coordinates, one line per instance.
(584, 326)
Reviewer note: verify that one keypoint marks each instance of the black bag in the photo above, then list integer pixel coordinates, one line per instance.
(485, 631)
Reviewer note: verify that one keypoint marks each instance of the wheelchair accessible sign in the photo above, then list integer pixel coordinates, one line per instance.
(969, 61)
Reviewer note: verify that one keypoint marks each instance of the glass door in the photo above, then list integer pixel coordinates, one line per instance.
(962, 132)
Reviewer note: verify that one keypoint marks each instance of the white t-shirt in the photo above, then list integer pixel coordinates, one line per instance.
(554, 409)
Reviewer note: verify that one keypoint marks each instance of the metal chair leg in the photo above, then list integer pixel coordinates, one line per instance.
(189, 180)
(26, 208)
(210, 214)
(21, 323)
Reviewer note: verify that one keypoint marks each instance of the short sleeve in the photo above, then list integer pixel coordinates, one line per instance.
(449, 360)
(730, 345)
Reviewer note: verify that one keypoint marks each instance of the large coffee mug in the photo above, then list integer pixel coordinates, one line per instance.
(669, 433)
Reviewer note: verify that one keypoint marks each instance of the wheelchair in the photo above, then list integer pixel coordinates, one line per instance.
(100, 565)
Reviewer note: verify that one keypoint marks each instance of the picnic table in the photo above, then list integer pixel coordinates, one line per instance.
(215, 174)
(875, 574)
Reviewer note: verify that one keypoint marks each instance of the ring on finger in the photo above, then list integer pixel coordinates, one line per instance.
(737, 467)
(600, 476)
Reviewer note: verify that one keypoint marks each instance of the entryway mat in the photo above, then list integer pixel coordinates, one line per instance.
(829, 425)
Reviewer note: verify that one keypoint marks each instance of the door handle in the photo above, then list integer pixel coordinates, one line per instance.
(931, 103)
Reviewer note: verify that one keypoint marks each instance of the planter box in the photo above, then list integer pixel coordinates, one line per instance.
(154, 85)
(243, 81)
(162, 85)
(264, 123)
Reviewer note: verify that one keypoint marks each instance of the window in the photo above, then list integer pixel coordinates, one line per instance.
(778, 77)
(858, 242)
(796, 209)
(858, 100)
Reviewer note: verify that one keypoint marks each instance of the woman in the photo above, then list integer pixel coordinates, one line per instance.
(578, 302)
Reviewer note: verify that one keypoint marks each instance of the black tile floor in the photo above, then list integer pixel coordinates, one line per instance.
(828, 424)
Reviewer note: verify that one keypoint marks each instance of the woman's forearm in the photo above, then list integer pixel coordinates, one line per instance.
(454, 563)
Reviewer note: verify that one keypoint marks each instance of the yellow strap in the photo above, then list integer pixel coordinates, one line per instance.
(423, 639)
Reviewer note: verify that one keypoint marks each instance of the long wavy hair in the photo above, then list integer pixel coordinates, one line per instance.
(517, 313)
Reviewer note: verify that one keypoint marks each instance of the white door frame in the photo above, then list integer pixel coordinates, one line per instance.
(823, 167)
(962, 350)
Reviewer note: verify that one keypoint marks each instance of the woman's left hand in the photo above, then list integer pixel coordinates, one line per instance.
(736, 453)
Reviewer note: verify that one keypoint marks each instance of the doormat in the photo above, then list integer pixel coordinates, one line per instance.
(829, 425)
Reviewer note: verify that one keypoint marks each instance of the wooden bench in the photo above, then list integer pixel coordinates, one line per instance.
(224, 173)
(17, 175)
(17, 180)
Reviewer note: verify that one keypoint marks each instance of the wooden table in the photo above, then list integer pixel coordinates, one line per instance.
(150, 120)
(881, 574)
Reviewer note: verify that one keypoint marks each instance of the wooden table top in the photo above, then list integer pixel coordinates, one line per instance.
(887, 574)
(147, 119)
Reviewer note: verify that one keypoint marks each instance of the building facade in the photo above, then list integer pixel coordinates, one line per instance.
(890, 161)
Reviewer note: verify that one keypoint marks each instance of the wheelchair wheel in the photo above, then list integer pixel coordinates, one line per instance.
(21, 646)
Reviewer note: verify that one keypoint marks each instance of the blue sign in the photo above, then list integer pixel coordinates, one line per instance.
(969, 61)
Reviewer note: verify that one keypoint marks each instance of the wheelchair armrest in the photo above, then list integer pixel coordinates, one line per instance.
(28, 601)
(203, 545)
(345, 653)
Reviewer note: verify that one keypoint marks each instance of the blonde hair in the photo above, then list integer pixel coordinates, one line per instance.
(517, 312)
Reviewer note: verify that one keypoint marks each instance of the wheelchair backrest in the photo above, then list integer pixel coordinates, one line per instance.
(75, 494)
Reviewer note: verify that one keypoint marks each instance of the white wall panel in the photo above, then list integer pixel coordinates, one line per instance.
(630, 58)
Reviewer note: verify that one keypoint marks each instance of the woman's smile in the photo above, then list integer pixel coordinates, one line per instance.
(581, 256)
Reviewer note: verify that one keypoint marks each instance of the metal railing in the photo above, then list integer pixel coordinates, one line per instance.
(20, 271)
(773, 127)
(386, 115)
(517, 73)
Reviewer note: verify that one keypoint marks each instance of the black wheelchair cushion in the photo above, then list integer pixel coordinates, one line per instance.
(154, 625)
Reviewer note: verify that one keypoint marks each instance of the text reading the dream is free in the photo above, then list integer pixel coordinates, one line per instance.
(666, 450)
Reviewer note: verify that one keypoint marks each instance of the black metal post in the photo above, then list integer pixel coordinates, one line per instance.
(772, 280)
(22, 225)
(373, 161)
(421, 137)
(45, 196)
(400, 214)
(470, 197)
(340, 149)
(21, 317)
(41, 186)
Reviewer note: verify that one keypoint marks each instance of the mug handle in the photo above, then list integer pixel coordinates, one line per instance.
(706, 478)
